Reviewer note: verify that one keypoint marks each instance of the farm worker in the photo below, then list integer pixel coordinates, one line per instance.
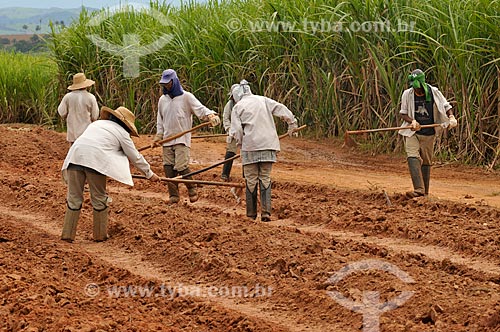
(175, 114)
(253, 128)
(104, 149)
(78, 107)
(422, 104)
(231, 147)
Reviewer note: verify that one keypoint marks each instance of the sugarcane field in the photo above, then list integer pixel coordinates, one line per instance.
(249, 166)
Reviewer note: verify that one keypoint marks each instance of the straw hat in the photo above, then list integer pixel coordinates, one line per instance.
(124, 115)
(80, 82)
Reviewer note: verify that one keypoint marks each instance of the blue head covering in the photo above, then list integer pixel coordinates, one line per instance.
(170, 75)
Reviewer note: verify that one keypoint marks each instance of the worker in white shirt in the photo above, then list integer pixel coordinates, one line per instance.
(104, 149)
(175, 114)
(231, 146)
(253, 127)
(78, 107)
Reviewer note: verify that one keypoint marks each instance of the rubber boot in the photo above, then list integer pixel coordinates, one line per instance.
(193, 195)
(416, 177)
(426, 175)
(251, 200)
(265, 202)
(70, 222)
(100, 225)
(226, 169)
(173, 188)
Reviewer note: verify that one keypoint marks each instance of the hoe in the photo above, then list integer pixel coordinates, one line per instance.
(349, 142)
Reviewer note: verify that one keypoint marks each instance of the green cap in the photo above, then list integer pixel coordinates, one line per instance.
(417, 81)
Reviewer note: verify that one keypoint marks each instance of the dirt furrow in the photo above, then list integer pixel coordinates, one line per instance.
(401, 245)
(140, 266)
(394, 245)
(330, 214)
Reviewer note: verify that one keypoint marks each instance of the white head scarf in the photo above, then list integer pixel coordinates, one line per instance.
(240, 90)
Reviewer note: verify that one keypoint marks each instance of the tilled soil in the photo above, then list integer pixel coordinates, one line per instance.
(342, 239)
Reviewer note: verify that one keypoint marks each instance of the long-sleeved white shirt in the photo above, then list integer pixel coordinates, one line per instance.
(176, 115)
(79, 108)
(226, 115)
(252, 122)
(107, 148)
(441, 105)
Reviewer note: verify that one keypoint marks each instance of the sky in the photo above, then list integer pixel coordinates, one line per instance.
(68, 3)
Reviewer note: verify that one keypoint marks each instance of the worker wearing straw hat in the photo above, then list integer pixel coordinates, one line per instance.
(253, 127)
(231, 146)
(78, 107)
(422, 104)
(104, 149)
(175, 114)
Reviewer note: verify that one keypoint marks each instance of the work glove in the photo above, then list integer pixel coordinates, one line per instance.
(453, 121)
(415, 126)
(214, 120)
(291, 129)
(154, 178)
(158, 137)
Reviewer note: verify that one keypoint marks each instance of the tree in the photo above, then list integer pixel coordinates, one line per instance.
(25, 28)
(23, 46)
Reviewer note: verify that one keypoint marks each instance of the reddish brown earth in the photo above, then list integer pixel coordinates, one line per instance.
(206, 267)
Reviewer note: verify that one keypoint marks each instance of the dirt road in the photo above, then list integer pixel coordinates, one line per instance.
(206, 267)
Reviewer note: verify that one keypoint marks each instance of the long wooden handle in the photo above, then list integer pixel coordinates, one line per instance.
(208, 183)
(349, 132)
(294, 131)
(226, 160)
(172, 137)
(221, 135)
(209, 136)
(207, 168)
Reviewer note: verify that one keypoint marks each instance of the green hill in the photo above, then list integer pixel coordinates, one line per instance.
(17, 20)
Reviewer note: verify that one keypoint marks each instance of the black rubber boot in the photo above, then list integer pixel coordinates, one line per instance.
(193, 195)
(226, 169)
(426, 175)
(265, 202)
(173, 188)
(251, 200)
(415, 168)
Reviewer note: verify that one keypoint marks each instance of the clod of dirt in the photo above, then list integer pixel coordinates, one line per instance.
(15, 276)
(493, 320)
(315, 248)
(115, 229)
(280, 265)
(210, 236)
